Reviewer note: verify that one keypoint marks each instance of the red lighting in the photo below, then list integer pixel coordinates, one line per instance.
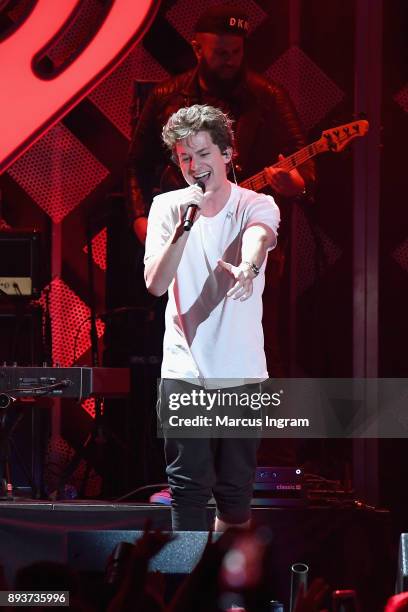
(99, 249)
(29, 106)
(70, 324)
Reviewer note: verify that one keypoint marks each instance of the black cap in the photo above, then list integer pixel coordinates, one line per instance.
(223, 19)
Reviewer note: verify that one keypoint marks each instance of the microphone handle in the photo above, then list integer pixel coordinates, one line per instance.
(192, 211)
(190, 216)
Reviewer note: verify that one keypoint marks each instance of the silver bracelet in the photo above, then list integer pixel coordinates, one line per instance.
(255, 269)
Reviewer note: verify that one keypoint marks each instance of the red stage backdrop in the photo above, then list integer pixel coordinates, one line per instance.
(61, 182)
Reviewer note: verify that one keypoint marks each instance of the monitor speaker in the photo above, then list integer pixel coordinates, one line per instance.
(90, 550)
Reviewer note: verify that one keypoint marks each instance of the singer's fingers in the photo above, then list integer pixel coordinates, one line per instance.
(226, 266)
(240, 293)
(240, 289)
(248, 293)
(244, 293)
(191, 204)
(196, 189)
(192, 195)
(194, 198)
(234, 289)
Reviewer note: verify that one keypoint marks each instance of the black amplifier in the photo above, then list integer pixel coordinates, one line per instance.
(279, 479)
(279, 486)
(20, 263)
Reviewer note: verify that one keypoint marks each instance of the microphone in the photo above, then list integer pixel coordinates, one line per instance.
(192, 211)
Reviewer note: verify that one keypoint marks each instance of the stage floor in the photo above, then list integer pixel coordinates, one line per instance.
(349, 547)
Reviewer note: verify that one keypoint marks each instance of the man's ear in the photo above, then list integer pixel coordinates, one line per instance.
(197, 49)
(227, 155)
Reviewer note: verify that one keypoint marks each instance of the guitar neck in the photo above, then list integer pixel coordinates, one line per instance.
(259, 181)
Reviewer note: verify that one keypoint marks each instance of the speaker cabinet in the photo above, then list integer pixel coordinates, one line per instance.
(90, 550)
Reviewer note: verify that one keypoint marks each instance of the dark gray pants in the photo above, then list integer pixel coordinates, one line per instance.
(198, 468)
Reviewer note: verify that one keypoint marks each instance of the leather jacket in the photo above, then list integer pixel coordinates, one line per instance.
(266, 125)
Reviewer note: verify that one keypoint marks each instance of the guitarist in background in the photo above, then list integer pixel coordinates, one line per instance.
(266, 127)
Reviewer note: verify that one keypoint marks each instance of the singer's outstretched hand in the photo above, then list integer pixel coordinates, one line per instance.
(244, 276)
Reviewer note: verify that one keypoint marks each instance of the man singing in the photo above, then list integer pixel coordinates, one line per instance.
(214, 275)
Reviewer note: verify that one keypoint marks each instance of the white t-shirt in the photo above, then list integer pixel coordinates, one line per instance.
(208, 335)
